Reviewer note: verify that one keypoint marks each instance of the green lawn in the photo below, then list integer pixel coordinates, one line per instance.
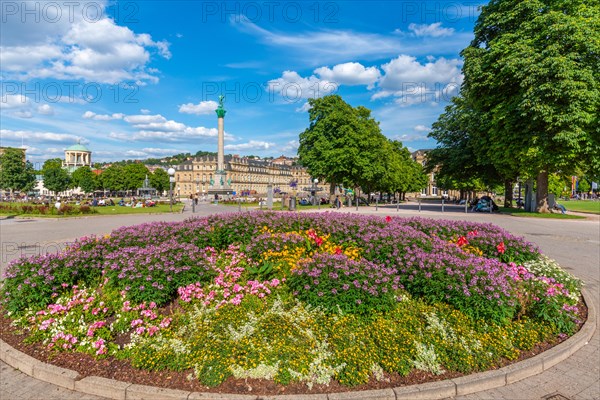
(110, 210)
(521, 213)
(585, 206)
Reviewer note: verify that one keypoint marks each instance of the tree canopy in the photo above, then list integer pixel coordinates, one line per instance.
(56, 178)
(532, 79)
(84, 178)
(344, 145)
(16, 173)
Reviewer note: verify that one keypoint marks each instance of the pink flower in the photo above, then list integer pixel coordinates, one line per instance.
(139, 330)
(501, 248)
(136, 322)
(388, 218)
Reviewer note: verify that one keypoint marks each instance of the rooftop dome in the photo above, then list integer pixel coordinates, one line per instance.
(78, 147)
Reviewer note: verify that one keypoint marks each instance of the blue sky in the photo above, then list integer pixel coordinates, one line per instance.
(138, 79)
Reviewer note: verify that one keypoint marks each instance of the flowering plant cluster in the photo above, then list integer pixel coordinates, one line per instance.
(296, 297)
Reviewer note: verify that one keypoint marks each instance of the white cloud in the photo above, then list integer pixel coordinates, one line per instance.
(145, 111)
(350, 73)
(73, 47)
(291, 147)
(202, 108)
(411, 138)
(432, 30)
(405, 69)
(23, 114)
(292, 87)
(251, 145)
(11, 101)
(45, 109)
(324, 45)
(411, 82)
(155, 127)
(102, 117)
(39, 137)
(421, 128)
(305, 107)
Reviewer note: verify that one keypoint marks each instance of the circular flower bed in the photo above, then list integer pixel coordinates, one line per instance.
(305, 298)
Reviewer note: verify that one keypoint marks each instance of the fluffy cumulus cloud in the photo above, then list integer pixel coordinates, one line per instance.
(292, 87)
(74, 40)
(154, 127)
(432, 30)
(350, 73)
(202, 108)
(21, 106)
(413, 82)
(249, 146)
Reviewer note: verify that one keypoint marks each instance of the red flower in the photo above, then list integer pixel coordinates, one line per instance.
(312, 234)
(338, 250)
(318, 241)
(388, 218)
(501, 248)
(462, 241)
(472, 233)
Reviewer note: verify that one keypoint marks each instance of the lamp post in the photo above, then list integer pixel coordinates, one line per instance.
(315, 193)
(171, 172)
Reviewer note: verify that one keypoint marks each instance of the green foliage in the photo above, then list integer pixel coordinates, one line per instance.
(134, 175)
(113, 178)
(159, 180)
(84, 178)
(16, 173)
(532, 78)
(343, 144)
(56, 179)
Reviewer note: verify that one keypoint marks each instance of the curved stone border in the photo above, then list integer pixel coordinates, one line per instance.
(434, 390)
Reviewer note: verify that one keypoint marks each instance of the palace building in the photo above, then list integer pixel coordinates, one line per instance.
(245, 176)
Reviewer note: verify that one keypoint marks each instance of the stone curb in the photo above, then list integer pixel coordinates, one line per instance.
(468, 384)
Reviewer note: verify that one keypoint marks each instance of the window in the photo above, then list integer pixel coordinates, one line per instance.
(434, 191)
(424, 191)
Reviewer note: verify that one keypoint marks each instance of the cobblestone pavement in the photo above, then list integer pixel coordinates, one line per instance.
(575, 244)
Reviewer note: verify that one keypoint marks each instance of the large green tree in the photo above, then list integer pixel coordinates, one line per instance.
(84, 178)
(159, 180)
(113, 178)
(402, 173)
(134, 175)
(15, 173)
(532, 74)
(56, 178)
(343, 144)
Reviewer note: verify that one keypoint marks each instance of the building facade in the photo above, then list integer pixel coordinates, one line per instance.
(77, 156)
(246, 176)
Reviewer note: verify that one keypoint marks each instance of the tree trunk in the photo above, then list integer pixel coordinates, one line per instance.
(331, 189)
(508, 193)
(541, 194)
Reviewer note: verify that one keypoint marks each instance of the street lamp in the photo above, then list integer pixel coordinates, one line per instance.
(315, 192)
(171, 172)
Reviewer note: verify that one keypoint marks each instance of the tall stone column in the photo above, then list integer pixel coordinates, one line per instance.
(221, 127)
(219, 184)
(221, 144)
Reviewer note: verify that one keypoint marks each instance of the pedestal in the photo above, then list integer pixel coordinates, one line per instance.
(220, 186)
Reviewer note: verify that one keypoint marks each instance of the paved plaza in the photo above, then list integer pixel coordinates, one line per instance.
(575, 244)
